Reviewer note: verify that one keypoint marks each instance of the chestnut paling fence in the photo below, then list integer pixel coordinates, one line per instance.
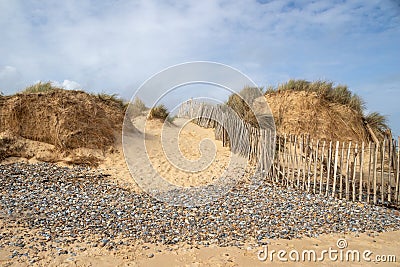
(346, 170)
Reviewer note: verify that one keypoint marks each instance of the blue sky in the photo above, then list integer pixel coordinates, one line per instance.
(114, 46)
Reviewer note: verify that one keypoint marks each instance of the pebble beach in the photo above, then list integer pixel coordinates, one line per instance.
(74, 206)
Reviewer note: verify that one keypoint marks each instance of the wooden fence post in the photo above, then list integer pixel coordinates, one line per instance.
(315, 166)
(382, 171)
(310, 154)
(335, 168)
(279, 156)
(284, 162)
(369, 171)
(300, 160)
(398, 170)
(347, 172)
(304, 165)
(297, 160)
(376, 148)
(292, 143)
(329, 168)
(389, 188)
(354, 172)
(361, 172)
(321, 168)
(341, 172)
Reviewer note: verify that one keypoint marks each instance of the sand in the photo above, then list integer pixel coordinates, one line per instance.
(165, 159)
(144, 254)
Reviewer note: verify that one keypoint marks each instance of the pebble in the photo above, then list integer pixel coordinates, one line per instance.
(104, 242)
(73, 203)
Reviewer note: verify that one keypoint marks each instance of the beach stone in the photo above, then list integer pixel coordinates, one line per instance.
(104, 242)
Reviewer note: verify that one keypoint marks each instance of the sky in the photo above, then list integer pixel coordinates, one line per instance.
(114, 46)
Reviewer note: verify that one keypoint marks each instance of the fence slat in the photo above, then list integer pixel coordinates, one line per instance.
(398, 170)
(292, 156)
(382, 171)
(389, 188)
(309, 166)
(369, 171)
(279, 164)
(304, 157)
(291, 166)
(285, 163)
(335, 168)
(341, 171)
(354, 172)
(328, 168)
(348, 172)
(376, 148)
(321, 168)
(315, 166)
(360, 193)
(298, 166)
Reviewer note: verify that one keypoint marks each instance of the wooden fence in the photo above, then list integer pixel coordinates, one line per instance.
(241, 137)
(353, 171)
(363, 172)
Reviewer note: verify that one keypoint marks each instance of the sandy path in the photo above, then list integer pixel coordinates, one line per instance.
(200, 152)
(202, 161)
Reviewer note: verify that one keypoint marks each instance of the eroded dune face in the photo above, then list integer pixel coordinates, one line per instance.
(306, 113)
(59, 126)
(65, 119)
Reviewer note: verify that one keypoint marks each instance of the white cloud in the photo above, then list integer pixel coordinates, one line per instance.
(71, 85)
(67, 84)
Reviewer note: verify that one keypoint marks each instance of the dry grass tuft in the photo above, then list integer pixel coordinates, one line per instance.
(378, 124)
(114, 98)
(40, 87)
(239, 103)
(137, 108)
(334, 94)
(159, 112)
